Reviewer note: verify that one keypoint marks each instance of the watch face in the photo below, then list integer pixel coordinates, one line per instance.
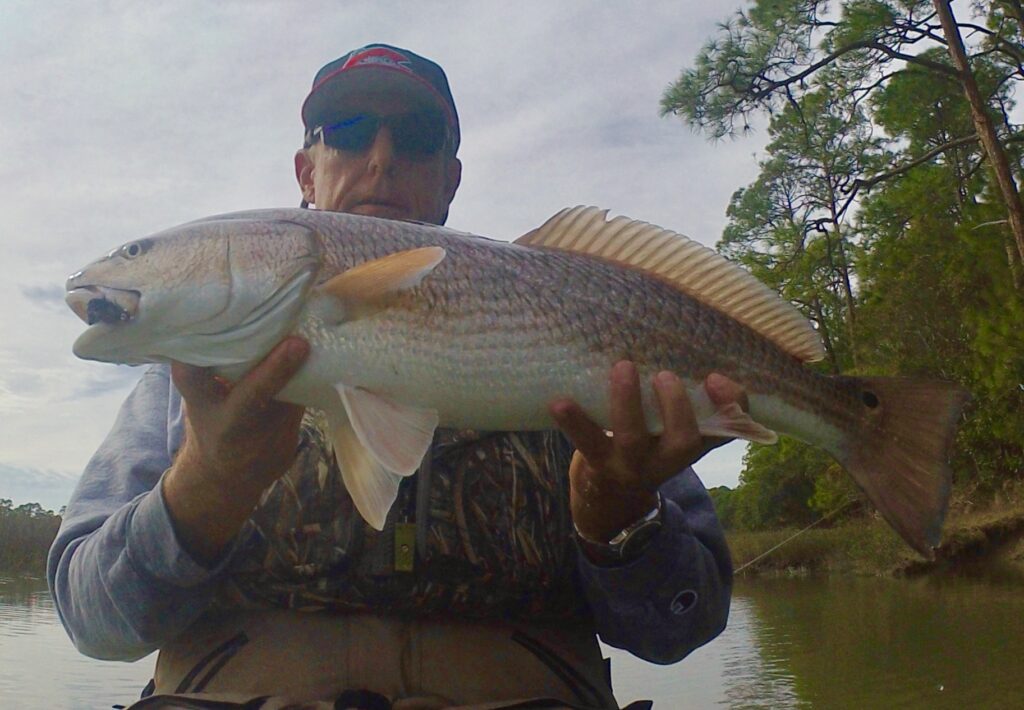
(638, 539)
(628, 544)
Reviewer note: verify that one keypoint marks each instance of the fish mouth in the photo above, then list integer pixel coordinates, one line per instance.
(102, 304)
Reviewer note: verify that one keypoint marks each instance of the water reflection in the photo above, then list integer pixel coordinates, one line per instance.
(733, 671)
(754, 674)
(40, 668)
(855, 643)
(940, 642)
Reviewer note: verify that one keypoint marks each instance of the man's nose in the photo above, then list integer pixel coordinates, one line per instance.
(381, 155)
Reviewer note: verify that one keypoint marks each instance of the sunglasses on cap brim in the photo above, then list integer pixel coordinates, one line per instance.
(416, 135)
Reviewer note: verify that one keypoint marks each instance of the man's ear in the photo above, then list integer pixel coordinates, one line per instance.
(304, 175)
(452, 179)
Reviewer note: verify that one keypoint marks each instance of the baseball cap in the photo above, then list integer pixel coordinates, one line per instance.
(375, 68)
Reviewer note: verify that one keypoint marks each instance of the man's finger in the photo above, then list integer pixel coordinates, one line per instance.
(722, 390)
(270, 376)
(629, 427)
(196, 384)
(681, 435)
(588, 438)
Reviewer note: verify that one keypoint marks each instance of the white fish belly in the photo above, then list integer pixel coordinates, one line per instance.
(497, 380)
(778, 415)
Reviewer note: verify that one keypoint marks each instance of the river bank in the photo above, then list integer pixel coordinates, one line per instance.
(972, 536)
(866, 545)
(26, 532)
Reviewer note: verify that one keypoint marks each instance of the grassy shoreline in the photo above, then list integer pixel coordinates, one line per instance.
(867, 546)
(857, 546)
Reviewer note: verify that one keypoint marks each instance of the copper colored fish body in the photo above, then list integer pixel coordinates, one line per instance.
(414, 326)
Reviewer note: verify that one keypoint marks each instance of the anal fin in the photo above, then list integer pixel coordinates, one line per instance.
(732, 422)
(728, 420)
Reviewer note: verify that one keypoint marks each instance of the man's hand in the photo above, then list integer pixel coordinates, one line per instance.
(238, 440)
(614, 479)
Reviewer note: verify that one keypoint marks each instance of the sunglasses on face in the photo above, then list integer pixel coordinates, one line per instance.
(416, 135)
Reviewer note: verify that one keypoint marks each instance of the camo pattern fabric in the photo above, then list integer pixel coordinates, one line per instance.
(496, 540)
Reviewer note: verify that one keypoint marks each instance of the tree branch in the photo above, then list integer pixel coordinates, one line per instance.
(774, 84)
(870, 182)
(999, 44)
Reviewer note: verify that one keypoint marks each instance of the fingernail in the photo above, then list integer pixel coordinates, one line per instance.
(296, 348)
(624, 368)
(666, 378)
(716, 381)
(558, 408)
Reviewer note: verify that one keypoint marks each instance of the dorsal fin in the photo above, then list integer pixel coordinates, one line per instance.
(690, 267)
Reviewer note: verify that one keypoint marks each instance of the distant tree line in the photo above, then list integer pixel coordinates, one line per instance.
(887, 209)
(26, 532)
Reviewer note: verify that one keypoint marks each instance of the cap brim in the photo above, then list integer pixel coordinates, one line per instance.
(329, 98)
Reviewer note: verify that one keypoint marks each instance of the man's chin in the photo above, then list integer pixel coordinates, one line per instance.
(383, 210)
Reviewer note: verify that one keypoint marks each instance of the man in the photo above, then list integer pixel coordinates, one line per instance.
(198, 530)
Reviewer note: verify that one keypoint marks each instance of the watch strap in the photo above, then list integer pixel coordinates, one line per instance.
(628, 543)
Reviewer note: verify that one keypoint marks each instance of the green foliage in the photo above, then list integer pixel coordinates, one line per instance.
(725, 505)
(765, 58)
(923, 106)
(865, 547)
(777, 484)
(791, 226)
(874, 214)
(728, 81)
(940, 253)
(834, 491)
(25, 536)
(862, 21)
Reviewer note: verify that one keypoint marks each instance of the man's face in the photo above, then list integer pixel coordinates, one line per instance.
(377, 181)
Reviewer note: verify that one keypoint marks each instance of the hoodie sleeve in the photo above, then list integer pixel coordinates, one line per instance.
(120, 579)
(675, 596)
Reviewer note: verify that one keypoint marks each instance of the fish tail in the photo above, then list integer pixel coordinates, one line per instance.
(900, 455)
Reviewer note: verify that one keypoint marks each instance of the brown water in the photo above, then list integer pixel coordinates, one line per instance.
(951, 642)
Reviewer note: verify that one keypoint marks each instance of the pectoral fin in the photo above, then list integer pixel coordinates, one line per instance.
(366, 288)
(377, 443)
(397, 435)
(372, 487)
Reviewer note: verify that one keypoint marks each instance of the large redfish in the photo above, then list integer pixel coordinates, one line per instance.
(414, 326)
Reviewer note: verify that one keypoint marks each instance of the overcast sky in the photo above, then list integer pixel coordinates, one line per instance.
(118, 119)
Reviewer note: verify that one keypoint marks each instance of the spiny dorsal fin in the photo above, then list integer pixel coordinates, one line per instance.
(691, 267)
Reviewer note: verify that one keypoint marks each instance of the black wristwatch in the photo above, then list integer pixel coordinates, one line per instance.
(627, 544)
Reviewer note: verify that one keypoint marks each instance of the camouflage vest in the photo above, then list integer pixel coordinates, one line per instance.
(482, 530)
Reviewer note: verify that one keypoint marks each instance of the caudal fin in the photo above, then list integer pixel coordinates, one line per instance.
(900, 457)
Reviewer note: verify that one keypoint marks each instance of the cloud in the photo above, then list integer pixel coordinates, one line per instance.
(120, 120)
(102, 381)
(26, 484)
(49, 296)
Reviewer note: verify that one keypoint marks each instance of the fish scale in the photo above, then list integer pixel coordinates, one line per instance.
(413, 326)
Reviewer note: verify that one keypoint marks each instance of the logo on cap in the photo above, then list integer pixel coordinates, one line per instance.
(379, 56)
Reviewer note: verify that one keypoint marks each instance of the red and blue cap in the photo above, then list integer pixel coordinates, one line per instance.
(378, 68)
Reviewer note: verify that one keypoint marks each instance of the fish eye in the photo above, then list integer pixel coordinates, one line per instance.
(133, 249)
